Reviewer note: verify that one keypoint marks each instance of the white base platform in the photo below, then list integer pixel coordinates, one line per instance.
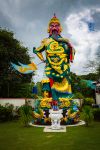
(81, 122)
(49, 129)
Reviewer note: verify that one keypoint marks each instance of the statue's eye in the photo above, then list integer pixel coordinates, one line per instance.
(56, 25)
(51, 26)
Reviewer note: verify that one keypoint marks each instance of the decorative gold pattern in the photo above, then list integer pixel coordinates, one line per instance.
(54, 63)
(45, 102)
(38, 115)
(65, 67)
(45, 81)
(48, 68)
(64, 102)
(54, 46)
(58, 69)
(62, 86)
(47, 72)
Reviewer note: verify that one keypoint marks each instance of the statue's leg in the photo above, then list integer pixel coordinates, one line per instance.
(46, 86)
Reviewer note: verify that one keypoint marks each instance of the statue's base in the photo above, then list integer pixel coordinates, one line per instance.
(81, 122)
(49, 129)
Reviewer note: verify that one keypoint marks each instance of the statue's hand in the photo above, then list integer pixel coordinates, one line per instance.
(34, 49)
(44, 61)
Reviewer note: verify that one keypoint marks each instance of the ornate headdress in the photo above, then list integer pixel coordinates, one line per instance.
(54, 20)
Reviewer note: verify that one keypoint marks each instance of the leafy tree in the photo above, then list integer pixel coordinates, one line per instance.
(24, 90)
(98, 72)
(93, 66)
(78, 86)
(90, 76)
(11, 50)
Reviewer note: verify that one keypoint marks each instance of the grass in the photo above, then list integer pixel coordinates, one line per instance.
(15, 137)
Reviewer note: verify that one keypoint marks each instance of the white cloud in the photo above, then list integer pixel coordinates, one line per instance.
(85, 42)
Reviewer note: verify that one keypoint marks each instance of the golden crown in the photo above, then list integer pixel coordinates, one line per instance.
(53, 20)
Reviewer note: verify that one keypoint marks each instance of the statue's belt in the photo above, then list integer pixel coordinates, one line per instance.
(57, 60)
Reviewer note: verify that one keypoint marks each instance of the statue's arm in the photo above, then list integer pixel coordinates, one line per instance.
(71, 50)
(38, 51)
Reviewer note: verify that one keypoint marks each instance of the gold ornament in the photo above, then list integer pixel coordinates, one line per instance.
(54, 20)
(61, 86)
(45, 102)
(45, 81)
(65, 102)
(54, 46)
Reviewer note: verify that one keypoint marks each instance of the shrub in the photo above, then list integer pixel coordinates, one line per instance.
(2, 113)
(25, 114)
(88, 101)
(96, 113)
(6, 112)
(87, 115)
(78, 95)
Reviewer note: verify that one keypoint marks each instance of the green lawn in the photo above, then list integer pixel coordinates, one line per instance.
(15, 137)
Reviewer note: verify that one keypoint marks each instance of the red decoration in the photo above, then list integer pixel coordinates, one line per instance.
(71, 52)
(51, 82)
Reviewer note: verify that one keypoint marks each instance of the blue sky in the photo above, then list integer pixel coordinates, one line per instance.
(28, 19)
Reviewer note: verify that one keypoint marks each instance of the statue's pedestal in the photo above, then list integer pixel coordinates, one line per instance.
(55, 116)
(49, 129)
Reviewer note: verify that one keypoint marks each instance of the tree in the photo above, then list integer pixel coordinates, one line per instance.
(93, 67)
(79, 86)
(11, 50)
